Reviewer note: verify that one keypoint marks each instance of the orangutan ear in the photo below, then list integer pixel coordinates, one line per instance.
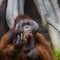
(34, 25)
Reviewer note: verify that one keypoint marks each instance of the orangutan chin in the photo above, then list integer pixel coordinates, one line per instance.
(24, 42)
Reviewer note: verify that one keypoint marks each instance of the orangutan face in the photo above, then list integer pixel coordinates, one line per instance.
(24, 27)
(27, 28)
(23, 30)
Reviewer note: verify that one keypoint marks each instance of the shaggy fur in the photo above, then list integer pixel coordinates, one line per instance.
(40, 51)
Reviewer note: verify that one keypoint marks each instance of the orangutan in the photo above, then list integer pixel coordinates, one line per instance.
(24, 42)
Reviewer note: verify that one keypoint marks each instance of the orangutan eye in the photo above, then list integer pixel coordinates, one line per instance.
(27, 23)
(26, 27)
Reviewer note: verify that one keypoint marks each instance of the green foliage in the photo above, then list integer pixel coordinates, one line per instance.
(57, 54)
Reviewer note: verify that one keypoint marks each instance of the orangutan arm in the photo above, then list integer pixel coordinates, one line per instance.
(44, 43)
(41, 39)
(5, 39)
(9, 50)
(41, 49)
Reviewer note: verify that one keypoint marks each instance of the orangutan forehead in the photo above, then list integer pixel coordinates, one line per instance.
(25, 21)
(21, 23)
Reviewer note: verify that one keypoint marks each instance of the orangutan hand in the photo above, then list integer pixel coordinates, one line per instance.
(33, 54)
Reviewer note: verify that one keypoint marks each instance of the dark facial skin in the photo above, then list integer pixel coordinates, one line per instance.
(23, 31)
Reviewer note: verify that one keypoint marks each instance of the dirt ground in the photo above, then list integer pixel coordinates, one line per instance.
(30, 10)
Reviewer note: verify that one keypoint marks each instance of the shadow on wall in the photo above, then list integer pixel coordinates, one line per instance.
(3, 24)
(59, 3)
